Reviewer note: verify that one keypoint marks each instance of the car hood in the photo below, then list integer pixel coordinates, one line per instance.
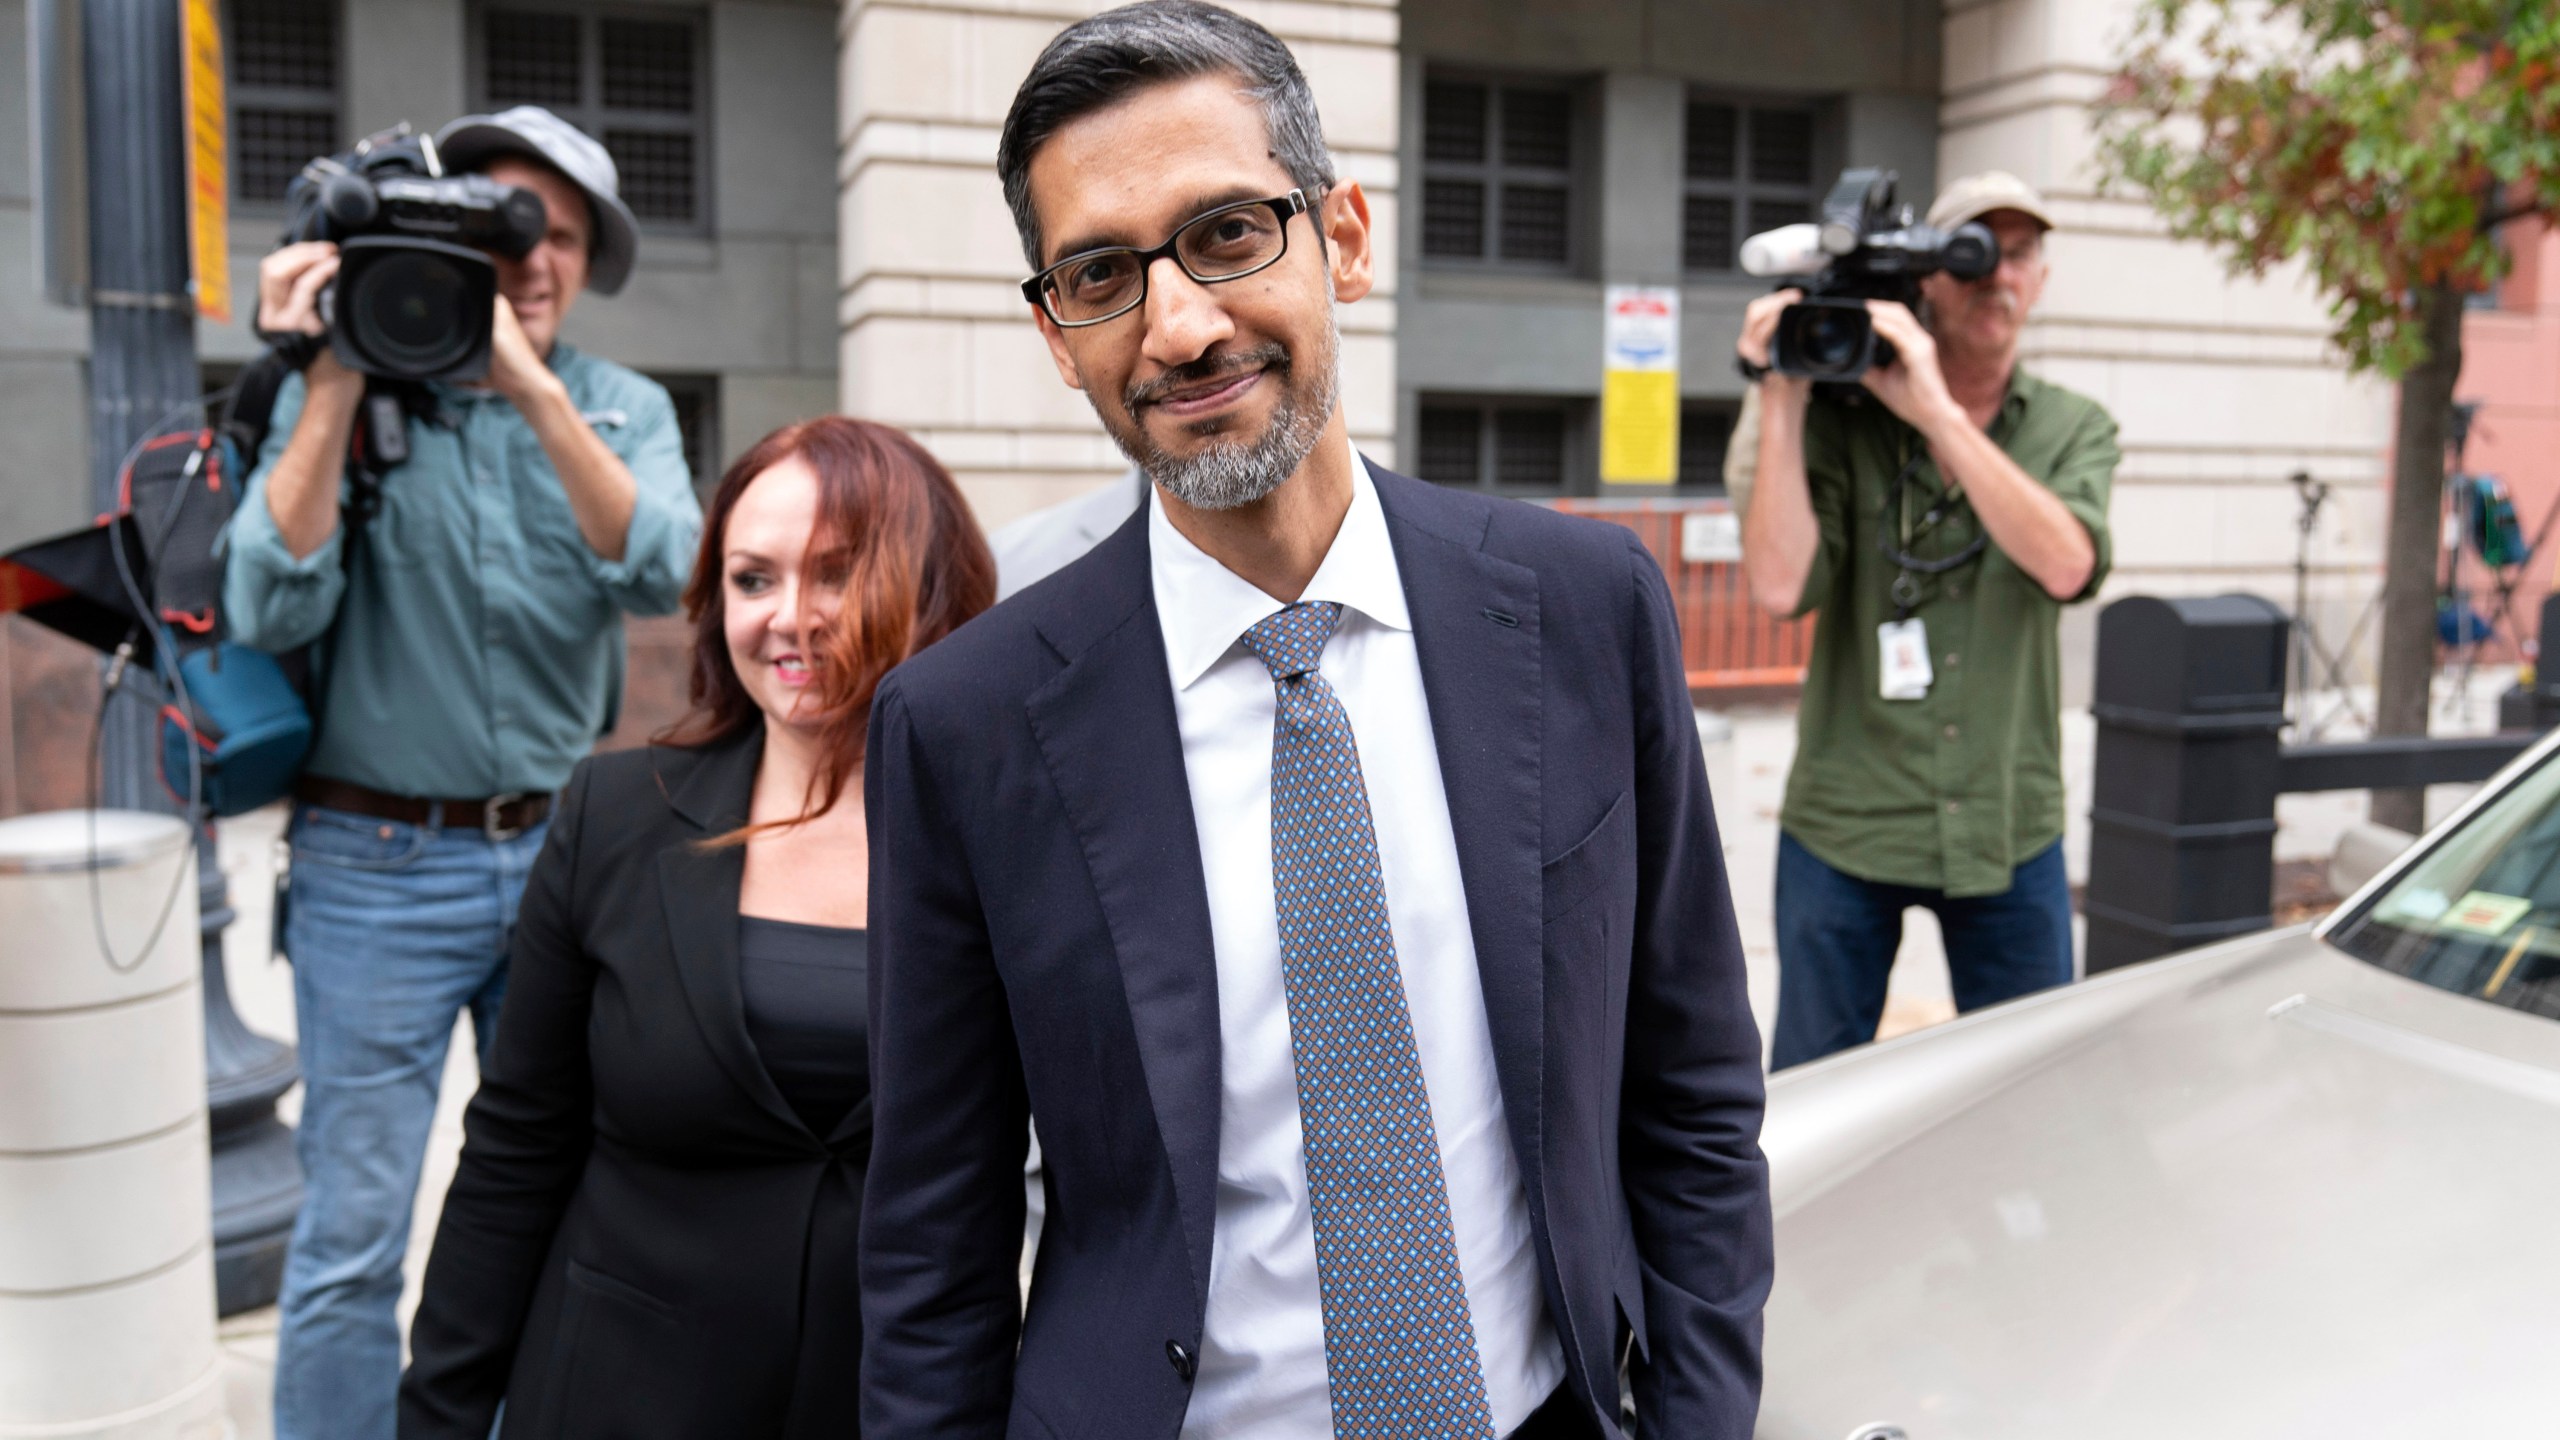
(2262, 1190)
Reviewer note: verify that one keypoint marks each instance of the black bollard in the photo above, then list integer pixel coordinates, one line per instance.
(257, 1180)
(2189, 699)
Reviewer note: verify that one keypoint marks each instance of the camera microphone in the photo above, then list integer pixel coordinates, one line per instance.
(1788, 250)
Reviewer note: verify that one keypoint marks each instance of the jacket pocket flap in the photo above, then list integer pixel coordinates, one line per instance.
(1592, 861)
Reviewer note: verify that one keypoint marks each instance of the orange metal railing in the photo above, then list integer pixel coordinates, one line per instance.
(1726, 642)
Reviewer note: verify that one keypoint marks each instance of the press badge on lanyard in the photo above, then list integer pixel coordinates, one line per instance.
(1902, 653)
(1902, 643)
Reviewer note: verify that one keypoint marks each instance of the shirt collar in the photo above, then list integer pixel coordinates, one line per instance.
(1218, 606)
(2021, 393)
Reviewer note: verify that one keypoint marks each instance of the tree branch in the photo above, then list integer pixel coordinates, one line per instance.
(2496, 215)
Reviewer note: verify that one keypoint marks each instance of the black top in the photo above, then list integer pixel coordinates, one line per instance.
(805, 1010)
(644, 1239)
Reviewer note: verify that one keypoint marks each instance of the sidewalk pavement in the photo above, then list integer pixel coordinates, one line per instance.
(1748, 773)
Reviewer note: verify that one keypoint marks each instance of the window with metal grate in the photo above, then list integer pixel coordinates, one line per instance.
(1706, 432)
(1516, 446)
(1452, 450)
(1528, 447)
(648, 65)
(1749, 168)
(636, 83)
(533, 59)
(283, 93)
(697, 402)
(657, 172)
(1498, 173)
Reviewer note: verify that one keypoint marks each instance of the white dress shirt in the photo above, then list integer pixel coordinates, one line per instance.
(1262, 1362)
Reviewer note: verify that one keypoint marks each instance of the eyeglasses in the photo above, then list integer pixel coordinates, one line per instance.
(1224, 244)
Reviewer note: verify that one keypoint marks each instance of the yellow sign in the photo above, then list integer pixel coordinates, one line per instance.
(1640, 386)
(208, 162)
(1640, 426)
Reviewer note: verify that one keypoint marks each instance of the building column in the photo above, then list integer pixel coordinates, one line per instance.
(2223, 386)
(933, 332)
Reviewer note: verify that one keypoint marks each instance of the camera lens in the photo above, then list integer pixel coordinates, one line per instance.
(413, 309)
(409, 309)
(1833, 340)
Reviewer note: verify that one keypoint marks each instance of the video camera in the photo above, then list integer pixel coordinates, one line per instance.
(1865, 247)
(416, 294)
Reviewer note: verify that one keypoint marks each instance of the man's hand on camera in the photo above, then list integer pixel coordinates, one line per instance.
(1759, 327)
(1912, 386)
(290, 280)
(515, 371)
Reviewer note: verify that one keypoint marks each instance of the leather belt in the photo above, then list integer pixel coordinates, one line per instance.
(499, 817)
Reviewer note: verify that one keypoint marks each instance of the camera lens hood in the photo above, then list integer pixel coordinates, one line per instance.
(1825, 337)
(406, 308)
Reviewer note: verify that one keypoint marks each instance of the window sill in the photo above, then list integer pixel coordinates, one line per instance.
(1489, 283)
(677, 252)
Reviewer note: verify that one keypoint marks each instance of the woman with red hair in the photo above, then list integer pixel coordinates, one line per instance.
(652, 1230)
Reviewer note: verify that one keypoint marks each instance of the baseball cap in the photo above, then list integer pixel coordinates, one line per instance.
(471, 142)
(1975, 196)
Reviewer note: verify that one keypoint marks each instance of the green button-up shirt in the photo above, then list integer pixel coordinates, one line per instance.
(479, 642)
(1953, 790)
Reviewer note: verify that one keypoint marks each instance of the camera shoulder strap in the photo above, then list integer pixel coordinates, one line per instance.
(369, 454)
(1898, 538)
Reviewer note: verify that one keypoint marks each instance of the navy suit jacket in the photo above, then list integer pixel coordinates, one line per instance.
(1040, 947)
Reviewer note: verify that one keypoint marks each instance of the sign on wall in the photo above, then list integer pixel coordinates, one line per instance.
(208, 162)
(1640, 386)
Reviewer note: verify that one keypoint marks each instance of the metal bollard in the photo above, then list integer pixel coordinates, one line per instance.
(2189, 702)
(106, 1250)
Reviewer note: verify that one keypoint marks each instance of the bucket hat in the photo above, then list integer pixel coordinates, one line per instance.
(471, 142)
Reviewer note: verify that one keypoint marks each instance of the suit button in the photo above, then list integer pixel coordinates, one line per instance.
(1180, 1355)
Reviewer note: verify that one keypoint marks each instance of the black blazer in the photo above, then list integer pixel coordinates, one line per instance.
(1040, 943)
(643, 1239)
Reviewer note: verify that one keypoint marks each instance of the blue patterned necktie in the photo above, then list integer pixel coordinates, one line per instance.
(1399, 1343)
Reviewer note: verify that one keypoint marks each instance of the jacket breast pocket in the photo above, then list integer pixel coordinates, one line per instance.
(1591, 864)
(623, 1369)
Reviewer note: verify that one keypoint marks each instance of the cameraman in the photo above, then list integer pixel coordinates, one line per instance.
(1937, 524)
(476, 655)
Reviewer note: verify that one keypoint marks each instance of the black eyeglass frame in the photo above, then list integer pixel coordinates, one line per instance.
(1284, 206)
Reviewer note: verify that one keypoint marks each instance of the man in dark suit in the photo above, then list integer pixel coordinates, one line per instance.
(1324, 864)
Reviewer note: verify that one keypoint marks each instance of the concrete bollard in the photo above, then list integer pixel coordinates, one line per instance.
(106, 1247)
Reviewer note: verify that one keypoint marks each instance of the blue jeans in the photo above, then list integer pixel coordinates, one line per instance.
(393, 931)
(1837, 935)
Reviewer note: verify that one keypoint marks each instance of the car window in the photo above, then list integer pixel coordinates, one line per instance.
(2480, 913)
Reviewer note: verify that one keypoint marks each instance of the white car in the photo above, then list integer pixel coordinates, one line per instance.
(2305, 1184)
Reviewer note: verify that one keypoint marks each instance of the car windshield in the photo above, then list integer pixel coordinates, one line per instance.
(2480, 914)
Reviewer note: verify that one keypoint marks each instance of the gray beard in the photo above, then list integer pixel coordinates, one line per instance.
(1226, 475)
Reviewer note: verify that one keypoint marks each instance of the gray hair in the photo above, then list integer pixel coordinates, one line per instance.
(1100, 61)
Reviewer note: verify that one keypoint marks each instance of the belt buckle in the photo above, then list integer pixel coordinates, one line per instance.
(491, 828)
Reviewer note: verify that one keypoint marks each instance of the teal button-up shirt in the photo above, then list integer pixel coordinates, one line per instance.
(479, 642)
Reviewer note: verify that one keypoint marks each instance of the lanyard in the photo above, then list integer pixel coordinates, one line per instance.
(1896, 535)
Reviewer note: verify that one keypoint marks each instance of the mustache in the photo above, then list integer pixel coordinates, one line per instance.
(1268, 355)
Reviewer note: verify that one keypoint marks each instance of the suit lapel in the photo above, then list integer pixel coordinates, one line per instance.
(710, 789)
(1107, 731)
(1476, 630)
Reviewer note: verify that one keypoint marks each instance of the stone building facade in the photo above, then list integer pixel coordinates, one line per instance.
(1647, 137)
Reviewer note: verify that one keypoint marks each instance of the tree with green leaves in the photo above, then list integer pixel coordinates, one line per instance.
(2381, 143)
